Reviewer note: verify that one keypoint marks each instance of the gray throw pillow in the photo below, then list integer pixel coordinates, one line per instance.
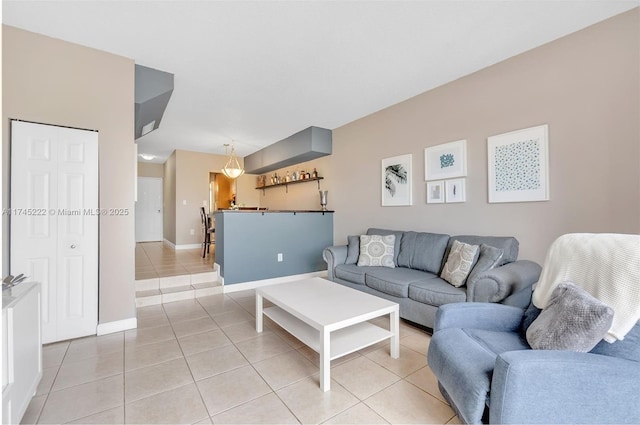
(377, 250)
(572, 320)
(461, 259)
(353, 249)
(488, 259)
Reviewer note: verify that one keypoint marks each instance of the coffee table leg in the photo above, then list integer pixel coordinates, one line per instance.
(325, 360)
(394, 325)
(258, 313)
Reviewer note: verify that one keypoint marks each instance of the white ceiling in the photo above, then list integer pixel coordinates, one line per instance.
(256, 72)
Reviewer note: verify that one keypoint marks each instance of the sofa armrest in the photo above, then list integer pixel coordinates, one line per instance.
(334, 256)
(497, 284)
(496, 317)
(540, 386)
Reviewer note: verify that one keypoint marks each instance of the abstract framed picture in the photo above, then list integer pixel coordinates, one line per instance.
(518, 165)
(396, 181)
(455, 191)
(435, 192)
(445, 161)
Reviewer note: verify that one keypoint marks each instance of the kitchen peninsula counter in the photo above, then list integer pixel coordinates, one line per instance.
(271, 211)
(253, 245)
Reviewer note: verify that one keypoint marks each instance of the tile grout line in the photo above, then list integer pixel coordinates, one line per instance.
(184, 356)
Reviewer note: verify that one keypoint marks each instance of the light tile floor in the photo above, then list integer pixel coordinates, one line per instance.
(156, 259)
(201, 361)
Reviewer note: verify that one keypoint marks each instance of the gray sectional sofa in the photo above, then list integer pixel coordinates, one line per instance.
(414, 282)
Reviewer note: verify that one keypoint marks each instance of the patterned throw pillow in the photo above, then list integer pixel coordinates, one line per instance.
(459, 263)
(376, 250)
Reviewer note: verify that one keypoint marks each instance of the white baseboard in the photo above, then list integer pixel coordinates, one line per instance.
(171, 244)
(117, 326)
(187, 246)
(235, 287)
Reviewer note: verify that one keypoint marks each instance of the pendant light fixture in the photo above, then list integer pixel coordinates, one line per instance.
(232, 169)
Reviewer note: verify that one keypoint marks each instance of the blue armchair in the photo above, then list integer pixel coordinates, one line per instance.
(489, 373)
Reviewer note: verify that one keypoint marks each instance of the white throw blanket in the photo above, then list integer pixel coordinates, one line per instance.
(605, 265)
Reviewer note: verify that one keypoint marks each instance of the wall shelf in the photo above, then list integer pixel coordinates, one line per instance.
(286, 184)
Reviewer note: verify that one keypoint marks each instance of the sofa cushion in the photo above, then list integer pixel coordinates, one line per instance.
(572, 320)
(377, 250)
(436, 292)
(489, 257)
(353, 249)
(351, 272)
(394, 281)
(508, 244)
(383, 232)
(460, 261)
(422, 251)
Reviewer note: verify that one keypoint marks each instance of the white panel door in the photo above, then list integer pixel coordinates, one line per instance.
(149, 210)
(54, 223)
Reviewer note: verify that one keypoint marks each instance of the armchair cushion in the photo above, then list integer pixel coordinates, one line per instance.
(573, 320)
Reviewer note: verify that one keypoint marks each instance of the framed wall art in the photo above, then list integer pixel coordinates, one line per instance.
(455, 191)
(445, 161)
(518, 165)
(396, 181)
(435, 192)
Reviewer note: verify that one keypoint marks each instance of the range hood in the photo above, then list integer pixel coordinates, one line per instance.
(308, 144)
(153, 89)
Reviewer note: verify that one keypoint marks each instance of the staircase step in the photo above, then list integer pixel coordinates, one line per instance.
(211, 276)
(176, 288)
(146, 284)
(185, 294)
(148, 297)
(172, 281)
(207, 288)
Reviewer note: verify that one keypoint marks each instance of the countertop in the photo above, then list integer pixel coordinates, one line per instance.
(12, 295)
(271, 211)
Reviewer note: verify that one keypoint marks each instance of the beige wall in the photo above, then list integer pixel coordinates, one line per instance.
(150, 169)
(192, 185)
(586, 86)
(169, 199)
(50, 81)
(302, 196)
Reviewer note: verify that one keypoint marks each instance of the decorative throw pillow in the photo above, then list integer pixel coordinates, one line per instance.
(376, 250)
(573, 320)
(461, 259)
(353, 249)
(487, 259)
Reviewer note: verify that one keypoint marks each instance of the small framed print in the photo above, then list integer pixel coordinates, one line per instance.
(445, 161)
(454, 191)
(435, 192)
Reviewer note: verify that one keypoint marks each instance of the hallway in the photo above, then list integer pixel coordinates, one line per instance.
(157, 259)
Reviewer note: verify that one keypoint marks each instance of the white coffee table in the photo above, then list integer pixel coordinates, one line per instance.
(328, 317)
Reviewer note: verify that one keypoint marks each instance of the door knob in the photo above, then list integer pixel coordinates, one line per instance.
(73, 247)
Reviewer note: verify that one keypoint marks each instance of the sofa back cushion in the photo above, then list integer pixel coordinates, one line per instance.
(422, 251)
(385, 232)
(508, 244)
